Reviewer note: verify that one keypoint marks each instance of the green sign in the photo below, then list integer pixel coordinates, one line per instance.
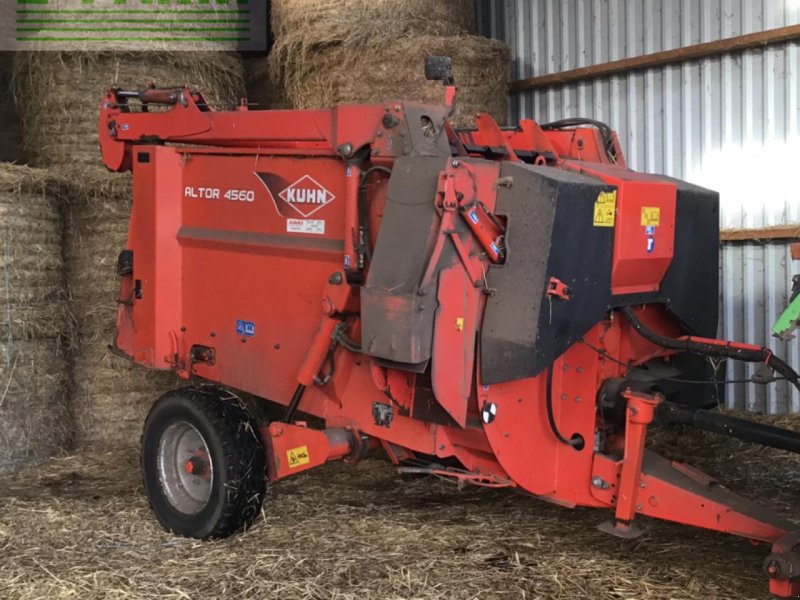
(133, 24)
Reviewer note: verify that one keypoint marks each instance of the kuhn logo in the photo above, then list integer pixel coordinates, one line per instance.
(306, 196)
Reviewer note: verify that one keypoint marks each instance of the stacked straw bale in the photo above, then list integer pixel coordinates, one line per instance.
(10, 129)
(110, 396)
(34, 414)
(355, 22)
(59, 97)
(59, 94)
(329, 52)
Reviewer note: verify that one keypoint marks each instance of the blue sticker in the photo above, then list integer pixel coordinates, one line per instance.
(651, 243)
(650, 230)
(473, 217)
(346, 263)
(494, 248)
(245, 328)
(125, 127)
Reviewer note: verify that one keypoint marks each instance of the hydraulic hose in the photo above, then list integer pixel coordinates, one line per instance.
(728, 350)
(550, 416)
(605, 132)
(363, 214)
(340, 337)
(742, 429)
(291, 410)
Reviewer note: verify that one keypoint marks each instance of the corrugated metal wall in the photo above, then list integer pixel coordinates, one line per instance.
(730, 123)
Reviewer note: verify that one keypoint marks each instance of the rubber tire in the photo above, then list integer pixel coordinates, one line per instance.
(236, 452)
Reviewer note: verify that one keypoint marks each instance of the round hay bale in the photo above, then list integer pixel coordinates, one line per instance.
(394, 70)
(110, 396)
(10, 128)
(34, 413)
(308, 31)
(263, 91)
(351, 21)
(59, 94)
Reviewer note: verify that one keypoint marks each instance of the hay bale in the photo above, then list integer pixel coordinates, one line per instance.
(59, 94)
(10, 128)
(328, 52)
(263, 91)
(34, 416)
(110, 396)
(393, 70)
(327, 22)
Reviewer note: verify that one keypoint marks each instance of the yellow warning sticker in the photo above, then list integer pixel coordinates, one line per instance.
(297, 456)
(651, 216)
(605, 209)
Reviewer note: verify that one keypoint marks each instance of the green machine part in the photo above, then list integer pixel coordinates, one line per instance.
(790, 319)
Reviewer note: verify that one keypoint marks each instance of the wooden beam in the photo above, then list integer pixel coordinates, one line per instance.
(657, 59)
(781, 232)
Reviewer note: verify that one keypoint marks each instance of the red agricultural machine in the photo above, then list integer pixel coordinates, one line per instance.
(504, 307)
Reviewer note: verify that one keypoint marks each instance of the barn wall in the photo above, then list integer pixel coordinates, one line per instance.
(730, 123)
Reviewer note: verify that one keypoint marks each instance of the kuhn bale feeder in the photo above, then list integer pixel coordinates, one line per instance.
(506, 307)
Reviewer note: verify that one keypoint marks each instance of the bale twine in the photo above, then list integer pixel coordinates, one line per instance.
(351, 22)
(263, 91)
(110, 396)
(393, 70)
(10, 128)
(59, 94)
(34, 415)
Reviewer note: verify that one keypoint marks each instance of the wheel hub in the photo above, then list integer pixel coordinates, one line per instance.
(198, 465)
(186, 472)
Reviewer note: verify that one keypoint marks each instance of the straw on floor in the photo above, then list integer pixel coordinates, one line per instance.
(81, 528)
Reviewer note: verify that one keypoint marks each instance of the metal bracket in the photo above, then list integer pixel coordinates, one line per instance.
(558, 289)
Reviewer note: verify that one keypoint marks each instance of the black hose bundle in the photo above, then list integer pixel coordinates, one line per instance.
(340, 337)
(729, 426)
(605, 132)
(762, 355)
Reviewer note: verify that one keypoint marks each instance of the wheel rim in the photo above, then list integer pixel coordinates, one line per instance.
(185, 469)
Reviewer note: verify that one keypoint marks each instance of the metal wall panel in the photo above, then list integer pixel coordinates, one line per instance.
(730, 123)
(754, 293)
(491, 18)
